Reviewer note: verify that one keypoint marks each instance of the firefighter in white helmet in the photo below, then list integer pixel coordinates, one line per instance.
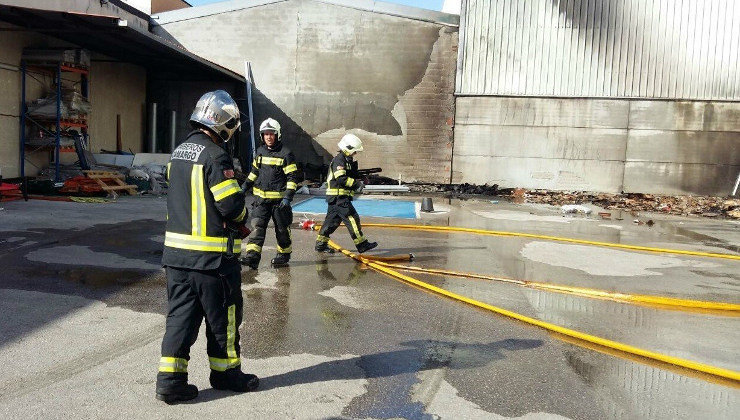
(273, 181)
(342, 184)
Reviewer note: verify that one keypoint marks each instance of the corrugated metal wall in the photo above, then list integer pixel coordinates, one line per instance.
(673, 49)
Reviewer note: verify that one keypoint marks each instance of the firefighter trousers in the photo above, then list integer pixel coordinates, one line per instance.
(262, 212)
(340, 211)
(191, 296)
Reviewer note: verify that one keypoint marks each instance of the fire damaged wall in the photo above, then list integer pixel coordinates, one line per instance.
(324, 70)
(609, 145)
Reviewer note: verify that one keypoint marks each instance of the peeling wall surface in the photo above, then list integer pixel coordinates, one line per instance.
(661, 147)
(323, 70)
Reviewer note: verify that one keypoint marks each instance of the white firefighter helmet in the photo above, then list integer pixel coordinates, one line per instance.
(350, 144)
(218, 112)
(270, 125)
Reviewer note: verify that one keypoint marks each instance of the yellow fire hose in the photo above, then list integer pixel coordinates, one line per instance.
(382, 264)
(689, 364)
(553, 238)
(659, 301)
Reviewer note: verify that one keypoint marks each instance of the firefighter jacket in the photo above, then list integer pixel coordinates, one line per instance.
(274, 173)
(202, 197)
(342, 178)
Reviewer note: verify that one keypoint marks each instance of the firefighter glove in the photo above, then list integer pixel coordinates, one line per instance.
(243, 231)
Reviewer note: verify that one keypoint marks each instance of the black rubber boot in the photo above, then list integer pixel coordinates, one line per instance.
(280, 260)
(251, 260)
(366, 246)
(180, 391)
(234, 380)
(323, 247)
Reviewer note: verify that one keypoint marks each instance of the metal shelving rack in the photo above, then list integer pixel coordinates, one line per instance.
(56, 70)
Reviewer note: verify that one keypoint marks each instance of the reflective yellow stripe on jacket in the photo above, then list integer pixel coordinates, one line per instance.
(197, 201)
(225, 189)
(199, 243)
(241, 215)
(266, 194)
(290, 168)
(339, 191)
(265, 160)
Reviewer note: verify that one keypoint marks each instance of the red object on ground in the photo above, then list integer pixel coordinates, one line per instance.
(81, 184)
(307, 224)
(10, 192)
(9, 187)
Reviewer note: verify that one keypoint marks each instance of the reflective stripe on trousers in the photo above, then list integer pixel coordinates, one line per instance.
(173, 365)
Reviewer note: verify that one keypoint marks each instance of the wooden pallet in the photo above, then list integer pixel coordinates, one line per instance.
(103, 178)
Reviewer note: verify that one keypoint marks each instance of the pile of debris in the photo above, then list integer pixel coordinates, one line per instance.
(458, 190)
(682, 205)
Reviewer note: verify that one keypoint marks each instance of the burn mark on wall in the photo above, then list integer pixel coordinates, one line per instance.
(323, 69)
(352, 75)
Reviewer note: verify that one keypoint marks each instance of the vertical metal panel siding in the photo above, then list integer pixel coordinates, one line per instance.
(673, 49)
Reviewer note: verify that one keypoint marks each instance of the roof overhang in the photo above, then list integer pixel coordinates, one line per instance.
(374, 6)
(115, 38)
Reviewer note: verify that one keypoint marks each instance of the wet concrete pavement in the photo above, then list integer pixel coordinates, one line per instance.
(84, 302)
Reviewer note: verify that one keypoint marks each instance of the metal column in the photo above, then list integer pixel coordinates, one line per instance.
(153, 127)
(59, 125)
(23, 119)
(173, 130)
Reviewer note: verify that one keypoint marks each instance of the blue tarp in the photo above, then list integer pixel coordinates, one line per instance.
(365, 207)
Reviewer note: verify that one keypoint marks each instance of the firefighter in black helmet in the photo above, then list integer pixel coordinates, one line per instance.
(206, 218)
(273, 183)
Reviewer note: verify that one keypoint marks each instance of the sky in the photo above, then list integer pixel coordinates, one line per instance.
(425, 4)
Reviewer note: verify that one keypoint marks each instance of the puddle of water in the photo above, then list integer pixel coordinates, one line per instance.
(604, 262)
(519, 216)
(347, 296)
(617, 227)
(102, 278)
(83, 255)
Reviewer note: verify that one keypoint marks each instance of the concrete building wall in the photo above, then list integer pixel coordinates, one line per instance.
(159, 6)
(647, 95)
(661, 147)
(324, 69)
(143, 5)
(115, 88)
(683, 147)
(10, 101)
